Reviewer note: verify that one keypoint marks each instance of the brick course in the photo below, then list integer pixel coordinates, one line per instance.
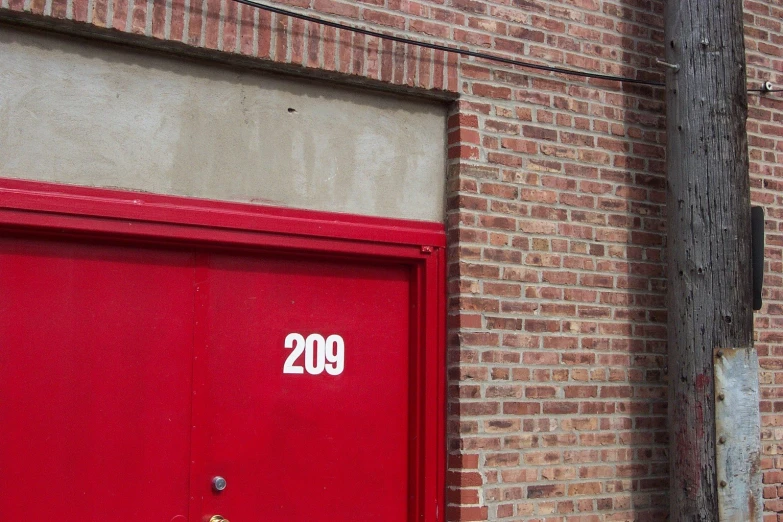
(557, 324)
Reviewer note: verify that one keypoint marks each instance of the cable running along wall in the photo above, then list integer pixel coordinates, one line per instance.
(462, 52)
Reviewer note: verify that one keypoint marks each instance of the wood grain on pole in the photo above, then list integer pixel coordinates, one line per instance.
(708, 238)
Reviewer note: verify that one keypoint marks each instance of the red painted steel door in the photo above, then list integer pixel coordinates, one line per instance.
(133, 373)
(127, 372)
(302, 390)
(95, 382)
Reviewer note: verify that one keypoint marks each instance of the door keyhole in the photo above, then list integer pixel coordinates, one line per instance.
(218, 484)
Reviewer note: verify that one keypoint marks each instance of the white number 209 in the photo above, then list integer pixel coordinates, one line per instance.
(319, 354)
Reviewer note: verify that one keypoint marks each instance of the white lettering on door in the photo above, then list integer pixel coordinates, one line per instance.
(319, 354)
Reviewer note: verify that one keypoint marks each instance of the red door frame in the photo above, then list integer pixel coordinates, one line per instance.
(28, 207)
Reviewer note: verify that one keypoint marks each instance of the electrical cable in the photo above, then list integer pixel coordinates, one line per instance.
(463, 52)
(438, 47)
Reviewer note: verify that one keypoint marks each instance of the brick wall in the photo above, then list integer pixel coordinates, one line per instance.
(557, 282)
(764, 44)
(557, 367)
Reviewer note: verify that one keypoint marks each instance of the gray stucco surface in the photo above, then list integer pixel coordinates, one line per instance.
(98, 115)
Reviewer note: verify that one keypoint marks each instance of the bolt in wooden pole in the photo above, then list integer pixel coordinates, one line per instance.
(708, 241)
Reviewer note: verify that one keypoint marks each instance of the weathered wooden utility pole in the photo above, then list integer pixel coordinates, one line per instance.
(708, 252)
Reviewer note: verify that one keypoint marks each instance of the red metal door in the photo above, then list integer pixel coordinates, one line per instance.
(302, 390)
(298, 355)
(95, 382)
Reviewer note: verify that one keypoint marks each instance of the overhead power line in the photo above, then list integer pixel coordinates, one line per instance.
(462, 52)
(445, 48)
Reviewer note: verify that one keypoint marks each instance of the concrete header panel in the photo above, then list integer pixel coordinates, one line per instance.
(79, 112)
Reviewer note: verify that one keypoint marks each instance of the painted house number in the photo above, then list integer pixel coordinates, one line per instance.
(319, 354)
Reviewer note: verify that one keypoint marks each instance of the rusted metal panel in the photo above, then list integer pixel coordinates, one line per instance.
(737, 432)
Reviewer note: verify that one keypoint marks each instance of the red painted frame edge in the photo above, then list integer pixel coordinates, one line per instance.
(62, 209)
(153, 208)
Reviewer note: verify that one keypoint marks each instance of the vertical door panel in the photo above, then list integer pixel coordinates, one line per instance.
(95, 382)
(302, 446)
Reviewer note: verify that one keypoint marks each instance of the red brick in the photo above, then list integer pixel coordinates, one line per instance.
(120, 13)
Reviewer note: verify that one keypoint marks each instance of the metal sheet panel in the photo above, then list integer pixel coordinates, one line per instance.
(737, 426)
(377, 284)
(301, 427)
(95, 380)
